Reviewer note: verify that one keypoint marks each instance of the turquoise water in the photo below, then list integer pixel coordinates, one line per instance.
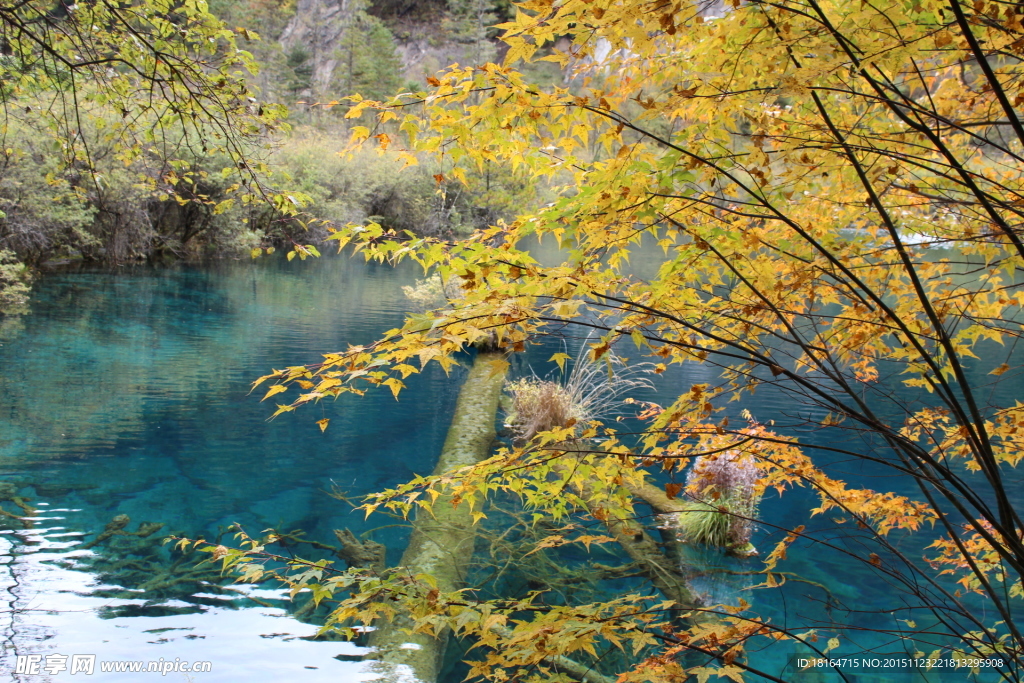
(126, 393)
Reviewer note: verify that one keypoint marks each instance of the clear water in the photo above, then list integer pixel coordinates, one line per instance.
(126, 393)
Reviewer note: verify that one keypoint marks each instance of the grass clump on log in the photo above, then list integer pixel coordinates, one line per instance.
(724, 500)
(591, 390)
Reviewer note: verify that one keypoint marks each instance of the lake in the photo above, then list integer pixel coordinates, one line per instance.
(126, 393)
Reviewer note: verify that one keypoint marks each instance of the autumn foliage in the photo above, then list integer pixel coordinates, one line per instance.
(838, 189)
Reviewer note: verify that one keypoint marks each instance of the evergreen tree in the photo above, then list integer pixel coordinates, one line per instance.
(299, 73)
(368, 63)
(469, 23)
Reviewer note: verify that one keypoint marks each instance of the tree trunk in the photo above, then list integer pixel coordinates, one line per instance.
(442, 544)
(641, 548)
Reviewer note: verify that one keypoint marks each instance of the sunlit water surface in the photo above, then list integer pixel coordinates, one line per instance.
(127, 393)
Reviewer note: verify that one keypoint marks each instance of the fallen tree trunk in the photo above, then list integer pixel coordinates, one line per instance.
(441, 544)
(662, 504)
(580, 672)
(631, 536)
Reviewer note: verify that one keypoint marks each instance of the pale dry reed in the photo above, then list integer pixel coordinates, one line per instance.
(591, 391)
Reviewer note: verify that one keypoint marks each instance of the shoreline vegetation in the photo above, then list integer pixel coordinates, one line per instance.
(177, 200)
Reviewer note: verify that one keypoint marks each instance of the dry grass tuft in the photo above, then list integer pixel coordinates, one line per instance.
(591, 391)
(538, 406)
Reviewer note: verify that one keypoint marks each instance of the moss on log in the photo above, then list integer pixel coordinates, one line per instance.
(442, 544)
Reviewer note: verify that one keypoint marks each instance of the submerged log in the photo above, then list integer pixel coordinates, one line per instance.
(9, 492)
(117, 526)
(358, 553)
(662, 504)
(442, 544)
(631, 536)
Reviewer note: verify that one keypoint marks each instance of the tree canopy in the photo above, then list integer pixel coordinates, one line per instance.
(837, 188)
(159, 80)
(158, 64)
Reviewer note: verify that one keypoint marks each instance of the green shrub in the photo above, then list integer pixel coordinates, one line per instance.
(14, 282)
(725, 494)
(172, 200)
(367, 185)
(704, 523)
(42, 213)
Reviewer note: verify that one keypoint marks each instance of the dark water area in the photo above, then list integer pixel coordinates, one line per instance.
(127, 393)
